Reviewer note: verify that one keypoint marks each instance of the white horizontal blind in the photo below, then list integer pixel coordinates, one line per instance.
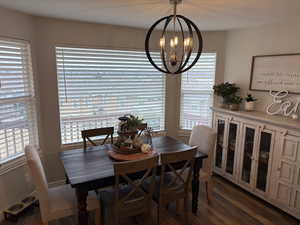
(96, 86)
(197, 92)
(17, 102)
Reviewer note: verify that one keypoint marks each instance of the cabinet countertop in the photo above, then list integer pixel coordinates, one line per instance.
(276, 120)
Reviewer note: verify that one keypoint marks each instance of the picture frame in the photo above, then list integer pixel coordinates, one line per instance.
(276, 73)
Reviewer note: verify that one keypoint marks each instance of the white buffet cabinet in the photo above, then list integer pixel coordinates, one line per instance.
(260, 153)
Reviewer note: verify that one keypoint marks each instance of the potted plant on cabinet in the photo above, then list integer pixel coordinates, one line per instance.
(234, 102)
(250, 103)
(226, 91)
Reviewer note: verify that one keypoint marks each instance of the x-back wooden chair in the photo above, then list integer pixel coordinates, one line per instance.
(88, 134)
(132, 199)
(174, 185)
(141, 128)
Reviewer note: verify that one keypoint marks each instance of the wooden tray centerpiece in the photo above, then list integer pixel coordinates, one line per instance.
(129, 145)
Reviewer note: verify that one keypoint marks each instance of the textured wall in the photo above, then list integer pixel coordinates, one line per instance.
(241, 45)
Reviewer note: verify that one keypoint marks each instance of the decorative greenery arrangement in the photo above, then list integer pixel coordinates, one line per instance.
(132, 123)
(250, 98)
(234, 99)
(226, 90)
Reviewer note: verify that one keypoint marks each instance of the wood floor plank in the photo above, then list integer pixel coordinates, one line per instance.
(230, 206)
(256, 208)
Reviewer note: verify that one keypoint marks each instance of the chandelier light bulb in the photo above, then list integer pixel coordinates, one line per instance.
(187, 42)
(162, 42)
(175, 40)
(172, 43)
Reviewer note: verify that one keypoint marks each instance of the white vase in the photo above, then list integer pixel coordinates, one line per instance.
(249, 106)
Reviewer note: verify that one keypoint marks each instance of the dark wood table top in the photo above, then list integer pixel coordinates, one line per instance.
(95, 164)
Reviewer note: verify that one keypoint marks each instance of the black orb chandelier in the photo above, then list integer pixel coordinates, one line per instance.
(179, 38)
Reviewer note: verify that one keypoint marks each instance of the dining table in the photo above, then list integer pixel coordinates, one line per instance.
(92, 169)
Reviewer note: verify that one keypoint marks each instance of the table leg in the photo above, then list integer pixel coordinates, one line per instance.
(195, 185)
(67, 179)
(82, 207)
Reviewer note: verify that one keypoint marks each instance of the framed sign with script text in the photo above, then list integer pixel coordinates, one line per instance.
(276, 73)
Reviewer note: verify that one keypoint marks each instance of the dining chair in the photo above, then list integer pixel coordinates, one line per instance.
(205, 139)
(174, 185)
(131, 199)
(88, 134)
(56, 202)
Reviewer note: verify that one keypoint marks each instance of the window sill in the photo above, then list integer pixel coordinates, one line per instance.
(12, 163)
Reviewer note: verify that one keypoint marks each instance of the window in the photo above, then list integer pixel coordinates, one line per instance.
(17, 101)
(197, 92)
(96, 86)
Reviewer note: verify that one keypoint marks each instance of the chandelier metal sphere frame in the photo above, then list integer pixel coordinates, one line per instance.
(176, 45)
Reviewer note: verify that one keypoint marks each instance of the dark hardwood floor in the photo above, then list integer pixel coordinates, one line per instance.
(230, 206)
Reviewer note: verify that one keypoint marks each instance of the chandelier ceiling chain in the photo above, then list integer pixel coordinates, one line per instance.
(179, 37)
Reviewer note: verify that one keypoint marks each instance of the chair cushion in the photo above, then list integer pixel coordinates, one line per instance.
(107, 197)
(107, 202)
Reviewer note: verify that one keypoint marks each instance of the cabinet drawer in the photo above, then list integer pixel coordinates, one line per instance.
(290, 148)
(283, 194)
(286, 171)
(295, 204)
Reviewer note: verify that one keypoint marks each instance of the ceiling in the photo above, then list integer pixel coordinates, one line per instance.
(207, 14)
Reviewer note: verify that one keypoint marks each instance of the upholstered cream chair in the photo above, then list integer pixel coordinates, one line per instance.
(55, 202)
(205, 139)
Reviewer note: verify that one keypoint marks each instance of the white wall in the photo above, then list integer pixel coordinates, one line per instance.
(241, 45)
(15, 184)
(45, 34)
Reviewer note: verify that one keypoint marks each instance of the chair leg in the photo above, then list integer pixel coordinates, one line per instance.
(97, 217)
(103, 216)
(116, 220)
(159, 213)
(150, 214)
(208, 187)
(178, 206)
(186, 206)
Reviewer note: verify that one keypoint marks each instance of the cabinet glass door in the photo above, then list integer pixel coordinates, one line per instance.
(220, 142)
(263, 160)
(231, 147)
(248, 152)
